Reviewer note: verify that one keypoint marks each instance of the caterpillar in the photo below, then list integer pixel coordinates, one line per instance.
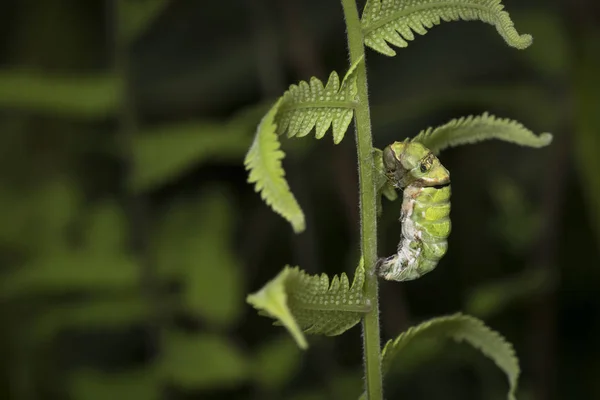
(425, 213)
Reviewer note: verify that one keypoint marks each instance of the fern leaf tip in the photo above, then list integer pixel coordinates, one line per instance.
(263, 161)
(546, 138)
(523, 42)
(313, 304)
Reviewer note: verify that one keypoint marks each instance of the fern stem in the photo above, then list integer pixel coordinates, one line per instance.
(368, 209)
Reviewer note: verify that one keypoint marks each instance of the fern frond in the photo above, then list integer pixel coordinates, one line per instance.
(263, 160)
(310, 105)
(311, 303)
(460, 328)
(393, 21)
(474, 129)
(300, 109)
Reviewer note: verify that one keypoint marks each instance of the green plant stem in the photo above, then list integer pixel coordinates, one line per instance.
(368, 210)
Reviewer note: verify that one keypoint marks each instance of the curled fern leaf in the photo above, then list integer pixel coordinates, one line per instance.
(460, 328)
(310, 105)
(263, 160)
(311, 304)
(473, 129)
(393, 21)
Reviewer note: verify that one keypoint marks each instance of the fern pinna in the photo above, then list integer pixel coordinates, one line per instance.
(311, 304)
(393, 21)
(309, 106)
(318, 305)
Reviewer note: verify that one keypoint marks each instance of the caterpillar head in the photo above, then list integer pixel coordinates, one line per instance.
(410, 163)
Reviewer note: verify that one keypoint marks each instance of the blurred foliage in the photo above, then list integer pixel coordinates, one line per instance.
(89, 97)
(517, 221)
(587, 137)
(80, 318)
(165, 153)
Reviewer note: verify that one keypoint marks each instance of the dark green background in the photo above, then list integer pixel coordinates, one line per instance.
(129, 237)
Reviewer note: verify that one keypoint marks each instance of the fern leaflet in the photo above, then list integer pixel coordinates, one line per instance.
(300, 109)
(263, 160)
(310, 105)
(474, 129)
(460, 328)
(393, 21)
(311, 303)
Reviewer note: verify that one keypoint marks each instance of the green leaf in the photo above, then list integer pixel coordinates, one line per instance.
(163, 154)
(264, 163)
(393, 21)
(79, 96)
(460, 328)
(306, 106)
(106, 231)
(303, 107)
(46, 214)
(473, 129)
(202, 361)
(100, 263)
(276, 363)
(133, 384)
(302, 302)
(74, 271)
(138, 15)
(36, 220)
(194, 245)
(114, 312)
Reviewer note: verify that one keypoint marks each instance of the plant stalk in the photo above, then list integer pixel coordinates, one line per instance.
(368, 210)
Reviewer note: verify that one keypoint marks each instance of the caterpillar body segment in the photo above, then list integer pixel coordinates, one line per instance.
(425, 213)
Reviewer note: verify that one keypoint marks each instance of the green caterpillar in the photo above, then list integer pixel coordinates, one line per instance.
(425, 218)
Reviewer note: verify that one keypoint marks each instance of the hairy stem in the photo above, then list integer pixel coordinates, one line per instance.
(368, 212)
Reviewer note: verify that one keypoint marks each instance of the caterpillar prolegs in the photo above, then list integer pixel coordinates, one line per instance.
(425, 212)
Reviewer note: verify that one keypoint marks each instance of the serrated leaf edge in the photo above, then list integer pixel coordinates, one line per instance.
(282, 313)
(502, 21)
(393, 346)
(272, 185)
(526, 137)
(295, 124)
